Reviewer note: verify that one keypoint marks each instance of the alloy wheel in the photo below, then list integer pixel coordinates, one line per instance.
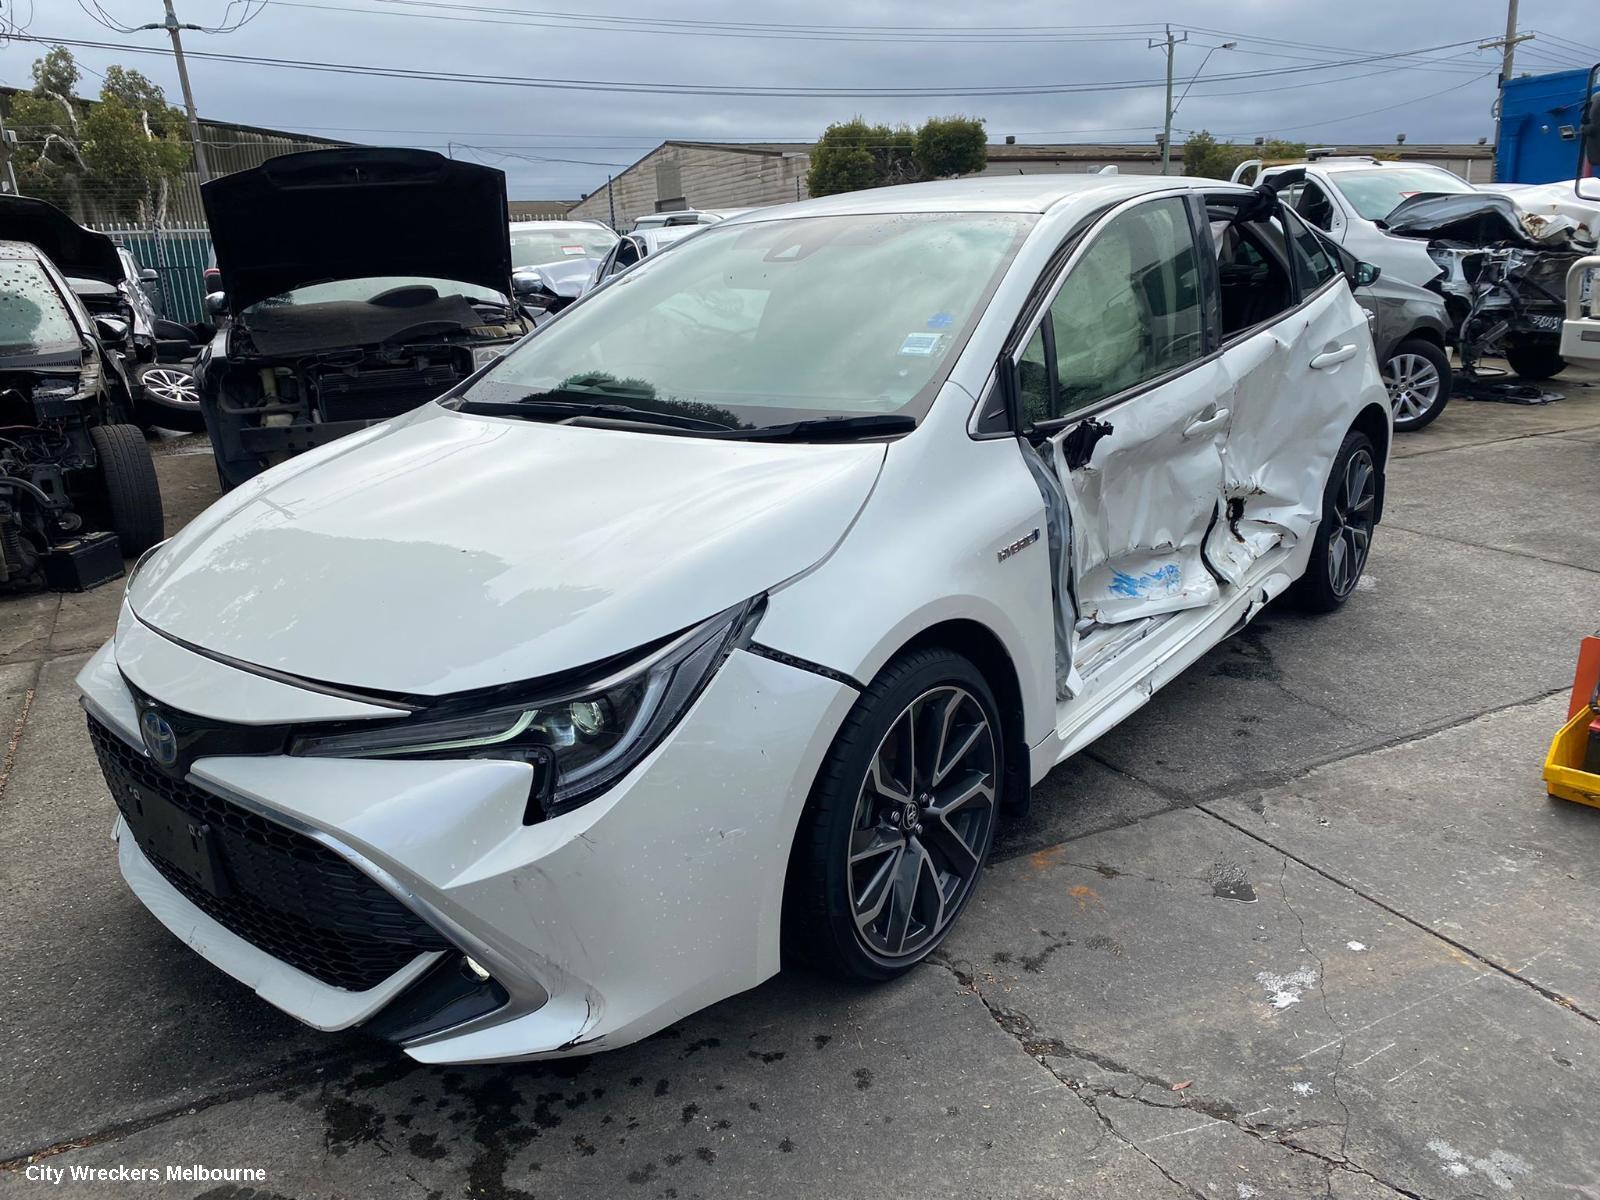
(1414, 385)
(922, 823)
(1354, 510)
(170, 385)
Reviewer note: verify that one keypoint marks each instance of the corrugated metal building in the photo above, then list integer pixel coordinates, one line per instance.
(749, 174)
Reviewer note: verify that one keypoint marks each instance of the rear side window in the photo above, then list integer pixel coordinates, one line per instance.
(1314, 205)
(1313, 264)
(1129, 311)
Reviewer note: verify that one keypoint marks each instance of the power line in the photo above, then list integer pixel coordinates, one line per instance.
(681, 89)
(1371, 111)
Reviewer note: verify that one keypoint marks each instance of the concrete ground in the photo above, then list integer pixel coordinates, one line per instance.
(1305, 925)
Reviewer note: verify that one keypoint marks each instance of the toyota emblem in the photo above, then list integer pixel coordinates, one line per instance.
(159, 739)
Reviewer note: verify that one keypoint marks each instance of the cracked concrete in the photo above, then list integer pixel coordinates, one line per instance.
(1304, 926)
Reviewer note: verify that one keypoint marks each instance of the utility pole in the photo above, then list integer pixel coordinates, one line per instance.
(7, 149)
(1169, 44)
(611, 203)
(172, 27)
(1508, 52)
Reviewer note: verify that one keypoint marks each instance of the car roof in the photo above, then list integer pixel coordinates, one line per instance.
(557, 226)
(987, 193)
(20, 250)
(1335, 165)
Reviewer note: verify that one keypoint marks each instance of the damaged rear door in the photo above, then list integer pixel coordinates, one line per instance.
(1130, 412)
(1291, 347)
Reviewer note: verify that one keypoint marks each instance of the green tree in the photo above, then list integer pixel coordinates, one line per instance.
(113, 159)
(1204, 156)
(853, 155)
(950, 146)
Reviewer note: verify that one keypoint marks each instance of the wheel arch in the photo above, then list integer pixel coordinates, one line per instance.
(1375, 422)
(983, 647)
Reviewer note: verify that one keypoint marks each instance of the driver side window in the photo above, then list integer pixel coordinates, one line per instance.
(1129, 311)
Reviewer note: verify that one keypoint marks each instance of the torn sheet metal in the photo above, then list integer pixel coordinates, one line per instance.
(1058, 525)
(1143, 493)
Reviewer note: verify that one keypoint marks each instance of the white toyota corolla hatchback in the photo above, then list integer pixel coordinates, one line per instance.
(726, 616)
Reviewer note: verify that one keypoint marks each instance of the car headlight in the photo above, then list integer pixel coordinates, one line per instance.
(580, 739)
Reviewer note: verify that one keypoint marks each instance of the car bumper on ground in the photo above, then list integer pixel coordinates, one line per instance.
(601, 925)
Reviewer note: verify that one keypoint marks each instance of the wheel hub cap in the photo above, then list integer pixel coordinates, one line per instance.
(1350, 530)
(922, 822)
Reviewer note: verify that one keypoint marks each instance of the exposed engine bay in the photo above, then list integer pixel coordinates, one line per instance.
(1503, 273)
(282, 391)
(45, 450)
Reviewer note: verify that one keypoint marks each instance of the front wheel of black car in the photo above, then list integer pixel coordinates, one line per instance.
(1417, 375)
(898, 827)
(133, 497)
(1536, 362)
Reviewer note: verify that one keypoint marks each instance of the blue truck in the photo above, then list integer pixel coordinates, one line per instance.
(1540, 116)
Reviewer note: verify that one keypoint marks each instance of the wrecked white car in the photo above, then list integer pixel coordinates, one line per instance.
(726, 616)
(1499, 267)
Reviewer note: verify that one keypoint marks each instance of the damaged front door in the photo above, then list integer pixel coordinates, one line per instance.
(1137, 416)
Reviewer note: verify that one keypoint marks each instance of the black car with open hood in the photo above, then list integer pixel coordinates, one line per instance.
(359, 283)
(327, 215)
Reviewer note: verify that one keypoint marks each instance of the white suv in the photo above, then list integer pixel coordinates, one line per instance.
(1348, 198)
(733, 608)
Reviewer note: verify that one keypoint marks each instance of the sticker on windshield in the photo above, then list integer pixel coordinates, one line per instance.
(919, 345)
(941, 321)
(577, 250)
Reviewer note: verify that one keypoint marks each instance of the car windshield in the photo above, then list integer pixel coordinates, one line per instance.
(376, 288)
(1377, 193)
(540, 247)
(755, 325)
(33, 317)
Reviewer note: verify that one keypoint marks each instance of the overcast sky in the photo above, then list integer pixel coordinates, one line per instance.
(1330, 79)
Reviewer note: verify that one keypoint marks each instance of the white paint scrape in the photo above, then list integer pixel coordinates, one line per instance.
(1499, 1167)
(1356, 946)
(1284, 990)
(1304, 1089)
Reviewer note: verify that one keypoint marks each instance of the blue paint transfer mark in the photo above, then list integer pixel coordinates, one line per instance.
(1164, 581)
(941, 321)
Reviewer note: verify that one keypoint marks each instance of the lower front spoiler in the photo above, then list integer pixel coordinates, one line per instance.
(296, 993)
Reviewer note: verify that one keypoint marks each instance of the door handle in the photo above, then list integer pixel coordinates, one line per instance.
(1332, 358)
(1205, 424)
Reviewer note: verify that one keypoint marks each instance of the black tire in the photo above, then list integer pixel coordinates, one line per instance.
(1439, 361)
(133, 497)
(1328, 581)
(1536, 362)
(819, 914)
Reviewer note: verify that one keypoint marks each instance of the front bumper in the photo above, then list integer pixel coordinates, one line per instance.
(603, 925)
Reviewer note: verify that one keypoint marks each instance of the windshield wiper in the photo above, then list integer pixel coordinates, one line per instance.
(823, 429)
(535, 409)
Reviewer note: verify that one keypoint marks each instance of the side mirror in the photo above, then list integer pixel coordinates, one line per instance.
(217, 303)
(149, 275)
(1589, 188)
(109, 329)
(1367, 274)
(524, 284)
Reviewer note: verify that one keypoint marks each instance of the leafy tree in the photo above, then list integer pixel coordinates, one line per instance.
(56, 73)
(1203, 155)
(949, 146)
(853, 155)
(117, 157)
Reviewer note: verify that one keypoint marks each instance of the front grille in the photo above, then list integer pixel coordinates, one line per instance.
(290, 895)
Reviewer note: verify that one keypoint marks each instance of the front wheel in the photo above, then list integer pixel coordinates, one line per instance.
(133, 496)
(1417, 375)
(1536, 362)
(900, 820)
(1344, 538)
